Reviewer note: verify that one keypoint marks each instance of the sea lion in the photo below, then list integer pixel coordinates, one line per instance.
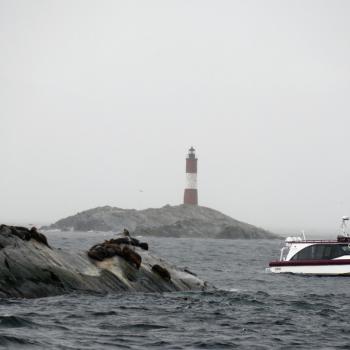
(129, 240)
(132, 257)
(126, 233)
(162, 272)
(114, 249)
(121, 240)
(102, 251)
(97, 252)
(190, 272)
(38, 236)
(118, 246)
(21, 232)
(143, 245)
(26, 235)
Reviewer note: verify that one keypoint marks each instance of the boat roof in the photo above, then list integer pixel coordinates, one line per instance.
(333, 241)
(340, 239)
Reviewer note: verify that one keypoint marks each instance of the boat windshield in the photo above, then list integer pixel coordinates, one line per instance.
(322, 252)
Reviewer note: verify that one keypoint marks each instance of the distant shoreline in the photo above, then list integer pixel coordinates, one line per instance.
(167, 221)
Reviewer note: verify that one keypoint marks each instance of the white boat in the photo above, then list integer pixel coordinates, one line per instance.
(315, 257)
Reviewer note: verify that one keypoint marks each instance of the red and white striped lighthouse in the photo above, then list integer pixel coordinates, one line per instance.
(191, 194)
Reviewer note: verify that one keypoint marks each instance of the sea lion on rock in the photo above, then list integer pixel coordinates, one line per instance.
(26, 235)
(126, 233)
(97, 252)
(104, 250)
(121, 240)
(190, 272)
(143, 245)
(96, 255)
(113, 249)
(38, 236)
(118, 246)
(135, 242)
(132, 257)
(21, 232)
(129, 240)
(162, 272)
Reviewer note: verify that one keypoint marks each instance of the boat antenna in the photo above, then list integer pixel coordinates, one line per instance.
(344, 226)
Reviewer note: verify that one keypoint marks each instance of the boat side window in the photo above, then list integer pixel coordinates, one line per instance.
(322, 252)
(304, 254)
(345, 250)
(327, 252)
(337, 251)
(318, 251)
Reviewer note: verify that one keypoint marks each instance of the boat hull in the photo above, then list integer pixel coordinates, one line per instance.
(337, 267)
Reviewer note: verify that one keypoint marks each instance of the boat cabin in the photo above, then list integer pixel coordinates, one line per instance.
(321, 251)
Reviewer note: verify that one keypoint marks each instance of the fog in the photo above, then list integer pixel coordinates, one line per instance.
(100, 101)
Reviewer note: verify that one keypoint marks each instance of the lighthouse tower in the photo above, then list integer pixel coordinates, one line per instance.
(191, 195)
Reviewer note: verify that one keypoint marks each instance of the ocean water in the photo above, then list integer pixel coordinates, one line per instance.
(250, 309)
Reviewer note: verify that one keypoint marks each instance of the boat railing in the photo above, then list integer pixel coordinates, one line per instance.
(314, 241)
(284, 253)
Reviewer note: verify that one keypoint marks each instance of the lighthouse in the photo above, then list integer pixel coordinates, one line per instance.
(191, 194)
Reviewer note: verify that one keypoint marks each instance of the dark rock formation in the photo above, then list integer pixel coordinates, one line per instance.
(30, 268)
(168, 221)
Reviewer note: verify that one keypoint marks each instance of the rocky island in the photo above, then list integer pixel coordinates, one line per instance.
(168, 221)
(30, 267)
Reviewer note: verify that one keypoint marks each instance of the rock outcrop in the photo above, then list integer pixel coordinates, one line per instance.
(168, 221)
(30, 268)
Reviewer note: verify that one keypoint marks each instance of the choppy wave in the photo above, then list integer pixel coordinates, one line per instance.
(15, 321)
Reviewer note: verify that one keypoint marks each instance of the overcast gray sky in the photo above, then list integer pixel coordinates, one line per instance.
(102, 99)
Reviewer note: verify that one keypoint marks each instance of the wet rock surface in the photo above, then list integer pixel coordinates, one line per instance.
(30, 268)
